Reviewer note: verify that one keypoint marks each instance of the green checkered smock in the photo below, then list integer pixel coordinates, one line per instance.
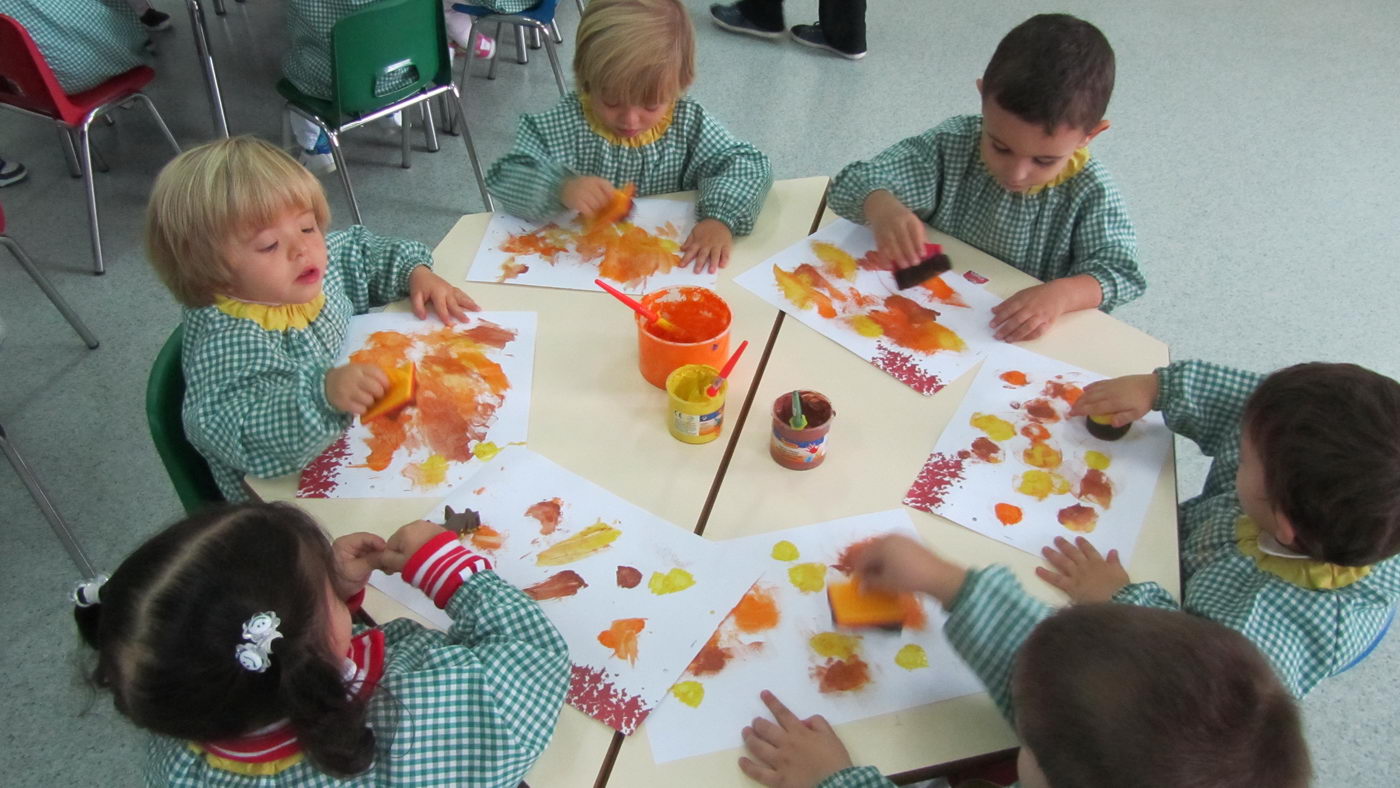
(1077, 227)
(255, 400)
(696, 152)
(1309, 634)
(473, 706)
(85, 42)
(989, 620)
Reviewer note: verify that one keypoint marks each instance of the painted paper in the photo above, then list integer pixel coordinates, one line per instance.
(472, 398)
(637, 255)
(1013, 466)
(633, 595)
(925, 336)
(781, 637)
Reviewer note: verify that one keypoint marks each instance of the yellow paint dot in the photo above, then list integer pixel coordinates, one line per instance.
(865, 326)
(689, 692)
(808, 577)
(911, 657)
(1042, 484)
(428, 473)
(998, 429)
(486, 451)
(1096, 460)
(785, 551)
(1042, 455)
(835, 645)
(670, 582)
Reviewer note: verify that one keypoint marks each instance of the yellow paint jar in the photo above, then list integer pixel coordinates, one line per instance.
(695, 417)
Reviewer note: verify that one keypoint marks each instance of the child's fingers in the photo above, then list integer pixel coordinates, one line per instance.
(441, 308)
(759, 774)
(1057, 559)
(1088, 549)
(724, 257)
(781, 713)
(1057, 580)
(769, 734)
(468, 303)
(1069, 550)
(1113, 559)
(819, 724)
(416, 299)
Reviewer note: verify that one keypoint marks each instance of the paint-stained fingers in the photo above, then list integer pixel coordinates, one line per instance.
(759, 774)
(781, 713)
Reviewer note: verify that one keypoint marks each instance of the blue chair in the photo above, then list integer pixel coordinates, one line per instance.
(538, 21)
(1379, 637)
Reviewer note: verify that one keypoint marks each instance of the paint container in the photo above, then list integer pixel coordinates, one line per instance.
(803, 449)
(693, 416)
(702, 319)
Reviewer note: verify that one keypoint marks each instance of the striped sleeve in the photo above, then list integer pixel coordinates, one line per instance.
(987, 623)
(440, 567)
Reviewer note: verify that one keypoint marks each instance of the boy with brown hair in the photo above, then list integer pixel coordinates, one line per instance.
(1016, 181)
(1292, 540)
(1100, 695)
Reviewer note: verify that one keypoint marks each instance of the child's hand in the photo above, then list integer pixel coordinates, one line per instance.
(354, 387)
(427, 288)
(708, 246)
(1029, 313)
(587, 194)
(1125, 399)
(898, 563)
(1081, 572)
(405, 542)
(899, 234)
(793, 753)
(356, 555)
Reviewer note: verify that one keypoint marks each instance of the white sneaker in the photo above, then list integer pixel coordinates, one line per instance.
(317, 163)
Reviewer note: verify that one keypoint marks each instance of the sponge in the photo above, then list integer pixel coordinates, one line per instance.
(402, 390)
(855, 608)
(933, 264)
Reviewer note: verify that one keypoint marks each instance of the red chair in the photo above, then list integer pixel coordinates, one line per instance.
(28, 85)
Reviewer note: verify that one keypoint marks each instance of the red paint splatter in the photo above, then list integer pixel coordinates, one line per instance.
(321, 477)
(940, 472)
(547, 512)
(591, 692)
(1078, 518)
(628, 577)
(1014, 377)
(846, 562)
(1042, 409)
(711, 659)
(1095, 487)
(975, 278)
(903, 368)
(986, 450)
(556, 586)
(842, 675)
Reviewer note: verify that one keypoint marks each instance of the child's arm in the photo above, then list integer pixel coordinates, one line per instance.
(375, 269)
(896, 193)
(732, 176)
(529, 179)
(1104, 247)
(795, 753)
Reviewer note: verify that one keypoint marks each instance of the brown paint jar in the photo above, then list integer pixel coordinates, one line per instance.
(803, 449)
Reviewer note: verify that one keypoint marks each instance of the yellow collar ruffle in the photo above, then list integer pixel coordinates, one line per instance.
(262, 769)
(1073, 167)
(645, 138)
(278, 317)
(1302, 571)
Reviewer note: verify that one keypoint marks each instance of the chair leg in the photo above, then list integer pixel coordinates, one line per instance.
(85, 149)
(554, 31)
(430, 128)
(339, 157)
(70, 154)
(522, 52)
(219, 7)
(404, 128)
(41, 498)
(491, 72)
(471, 150)
(43, 282)
(554, 64)
(579, 3)
(535, 42)
(449, 118)
(155, 115)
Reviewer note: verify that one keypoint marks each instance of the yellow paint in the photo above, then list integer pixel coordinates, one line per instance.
(1104, 419)
(1042, 455)
(670, 582)
(695, 416)
(1096, 460)
(808, 577)
(689, 692)
(785, 551)
(579, 546)
(835, 645)
(997, 429)
(428, 473)
(911, 657)
(486, 451)
(865, 325)
(1042, 484)
(837, 261)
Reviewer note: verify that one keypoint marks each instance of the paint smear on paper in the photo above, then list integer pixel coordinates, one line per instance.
(1008, 514)
(835, 645)
(319, 479)
(865, 326)
(621, 637)
(691, 693)
(975, 278)
(1042, 455)
(806, 288)
(587, 542)
(757, 611)
(487, 538)
(944, 292)
(940, 472)
(808, 577)
(986, 450)
(594, 694)
(428, 473)
(1068, 392)
(628, 577)
(622, 251)
(842, 675)
(997, 428)
(915, 327)
(486, 451)
(556, 586)
(510, 269)
(837, 261)
(711, 659)
(1078, 518)
(670, 582)
(911, 657)
(547, 513)
(1097, 460)
(1041, 484)
(1014, 377)
(1042, 410)
(1035, 431)
(1096, 488)
(785, 551)
(904, 368)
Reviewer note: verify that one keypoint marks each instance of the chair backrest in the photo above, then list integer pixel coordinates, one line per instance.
(26, 81)
(165, 399)
(387, 37)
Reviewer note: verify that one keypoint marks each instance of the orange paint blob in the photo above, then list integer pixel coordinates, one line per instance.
(842, 675)
(943, 291)
(547, 513)
(487, 538)
(694, 320)
(1014, 377)
(510, 269)
(1095, 487)
(621, 637)
(623, 251)
(1068, 392)
(1036, 431)
(915, 327)
(757, 611)
(1042, 410)
(986, 450)
(1008, 514)
(556, 586)
(1079, 518)
(711, 659)
(837, 261)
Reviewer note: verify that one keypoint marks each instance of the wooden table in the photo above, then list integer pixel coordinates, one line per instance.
(592, 413)
(882, 432)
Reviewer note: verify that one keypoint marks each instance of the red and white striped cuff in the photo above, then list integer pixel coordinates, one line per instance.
(440, 567)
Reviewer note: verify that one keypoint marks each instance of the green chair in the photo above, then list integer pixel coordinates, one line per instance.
(165, 399)
(385, 44)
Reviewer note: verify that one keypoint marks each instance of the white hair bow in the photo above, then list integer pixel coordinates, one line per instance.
(255, 653)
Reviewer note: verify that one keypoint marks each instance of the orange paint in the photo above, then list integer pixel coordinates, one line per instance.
(618, 207)
(805, 287)
(398, 396)
(1008, 514)
(842, 675)
(756, 612)
(943, 291)
(548, 242)
(1079, 518)
(986, 450)
(1042, 455)
(386, 436)
(697, 312)
(711, 659)
(1014, 377)
(556, 586)
(487, 538)
(510, 269)
(621, 637)
(695, 320)
(1036, 432)
(1068, 392)
(623, 251)
(547, 513)
(1042, 409)
(1095, 487)
(912, 326)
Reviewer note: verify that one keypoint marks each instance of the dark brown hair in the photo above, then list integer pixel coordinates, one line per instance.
(172, 616)
(1328, 436)
(1116, 695)
(1052, 69)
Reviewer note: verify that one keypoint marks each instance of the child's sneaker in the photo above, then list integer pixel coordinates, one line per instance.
(12, 172)
(319, 160)
(155, 20)
(730, 18)
(812, 36)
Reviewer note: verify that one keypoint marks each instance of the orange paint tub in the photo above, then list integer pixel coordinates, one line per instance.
(702, 320)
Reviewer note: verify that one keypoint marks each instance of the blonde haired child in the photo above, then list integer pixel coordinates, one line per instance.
(630, 122)
(237, 230)
(228, 636)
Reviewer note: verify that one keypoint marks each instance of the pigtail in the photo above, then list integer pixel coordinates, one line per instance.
(331, 723)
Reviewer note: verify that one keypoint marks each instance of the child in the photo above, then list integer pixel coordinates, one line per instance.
(1017, 181)
(228, 636)
(1100, 695)
(629, 122)
(237, 230)
(1292, 540)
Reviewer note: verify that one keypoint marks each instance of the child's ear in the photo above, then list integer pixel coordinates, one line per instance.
(1284, 531)
(1094, 132)
(979, 87)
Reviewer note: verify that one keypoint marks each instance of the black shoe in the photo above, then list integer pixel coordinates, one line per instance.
(732, 19)
(812, 36)
(155, 20)
(12, 172)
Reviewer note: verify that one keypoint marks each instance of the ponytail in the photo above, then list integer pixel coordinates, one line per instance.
(331, 724)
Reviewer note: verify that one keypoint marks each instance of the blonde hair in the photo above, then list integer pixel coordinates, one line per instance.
(208, 195)
(639, 52)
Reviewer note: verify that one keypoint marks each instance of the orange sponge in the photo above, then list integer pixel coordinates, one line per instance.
(402, 390)
(855, 608)
(619, 208)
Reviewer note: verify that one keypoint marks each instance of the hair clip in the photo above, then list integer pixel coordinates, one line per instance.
(259, 631)
(87, 592)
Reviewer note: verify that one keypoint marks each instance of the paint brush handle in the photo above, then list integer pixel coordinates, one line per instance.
(636, 305)
(728, 368)
(798, 421)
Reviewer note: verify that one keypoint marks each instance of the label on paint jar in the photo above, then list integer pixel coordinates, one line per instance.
(704, 425)
(806, 452)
